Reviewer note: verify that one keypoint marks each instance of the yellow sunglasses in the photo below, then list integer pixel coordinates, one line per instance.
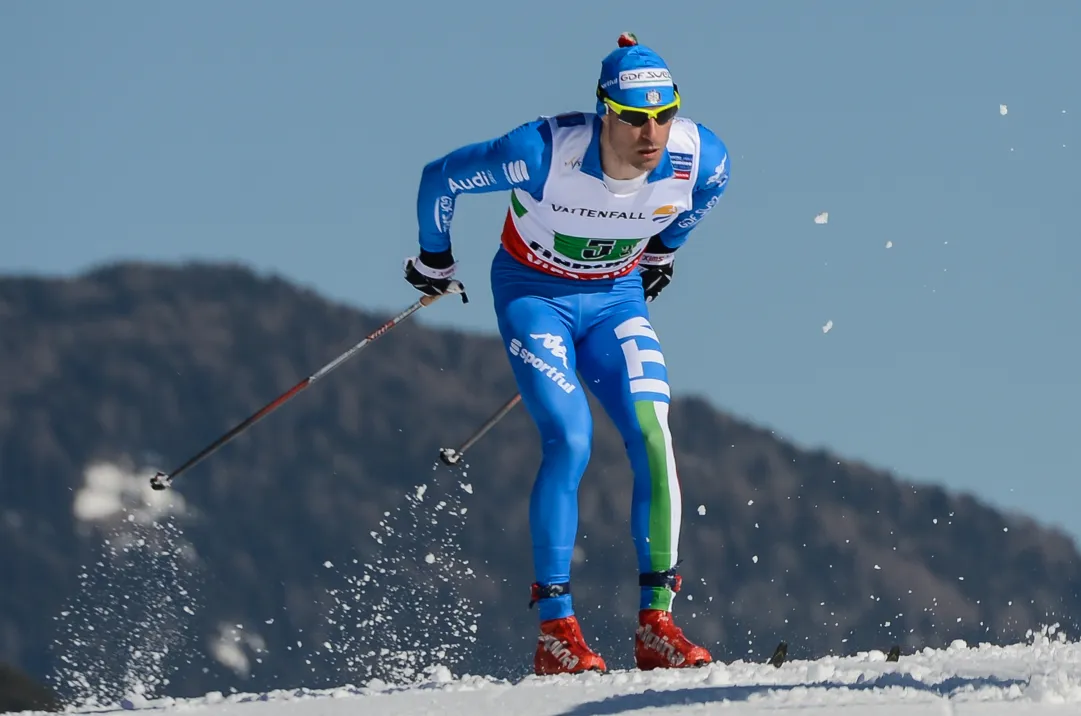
(638, 116)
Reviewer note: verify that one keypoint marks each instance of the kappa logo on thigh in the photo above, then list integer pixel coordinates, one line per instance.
(636, 357)
(532, 359)
(554, 345)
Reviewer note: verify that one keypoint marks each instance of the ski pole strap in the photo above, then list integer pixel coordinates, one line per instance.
(538, 592)
(668, 579)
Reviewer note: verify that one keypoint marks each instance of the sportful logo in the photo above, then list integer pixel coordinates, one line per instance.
(649, 77)
(516, 172)
(552, 372)
(554, 345)
(636, 357)
(478, 180)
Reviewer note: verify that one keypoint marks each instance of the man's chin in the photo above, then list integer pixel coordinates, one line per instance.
(647, 162)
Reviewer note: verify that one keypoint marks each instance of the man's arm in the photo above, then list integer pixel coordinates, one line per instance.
(519, 158)
(660, 251)
(713, 171)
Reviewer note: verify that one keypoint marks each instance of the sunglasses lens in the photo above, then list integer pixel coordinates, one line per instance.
(633, 117)
(665, 116)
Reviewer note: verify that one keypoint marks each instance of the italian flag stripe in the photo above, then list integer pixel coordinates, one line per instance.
(665, 496)
(520, 211)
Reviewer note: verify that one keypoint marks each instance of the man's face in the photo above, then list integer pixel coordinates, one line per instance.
(640, 147)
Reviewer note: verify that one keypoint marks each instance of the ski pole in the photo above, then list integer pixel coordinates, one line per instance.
(162, 480)
(451, 456)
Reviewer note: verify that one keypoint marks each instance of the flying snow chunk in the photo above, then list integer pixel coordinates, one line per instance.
(826, 328)
(701, 509)
(1002, 109)
(109, 492)
(822, 218)
(889, 244)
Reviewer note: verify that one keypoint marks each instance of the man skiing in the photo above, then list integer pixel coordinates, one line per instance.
(599, 204)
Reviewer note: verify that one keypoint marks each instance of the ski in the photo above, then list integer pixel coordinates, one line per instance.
(781, 653)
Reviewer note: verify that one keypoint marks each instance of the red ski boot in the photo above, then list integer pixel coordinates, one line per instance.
(561, 649)
(660, 644)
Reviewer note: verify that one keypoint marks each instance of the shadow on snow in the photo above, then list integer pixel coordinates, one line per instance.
(701, 695)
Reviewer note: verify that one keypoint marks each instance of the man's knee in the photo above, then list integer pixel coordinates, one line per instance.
(655, 439)
(572, 441)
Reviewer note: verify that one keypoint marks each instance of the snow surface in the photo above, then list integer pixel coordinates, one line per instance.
(135, 600)
(1041, 677)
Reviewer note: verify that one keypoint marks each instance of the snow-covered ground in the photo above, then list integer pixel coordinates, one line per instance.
(1042, 677)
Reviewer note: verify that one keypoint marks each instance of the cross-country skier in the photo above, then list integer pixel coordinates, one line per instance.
(599, 204)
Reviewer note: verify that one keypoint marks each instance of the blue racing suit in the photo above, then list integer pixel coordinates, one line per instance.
(571, 312)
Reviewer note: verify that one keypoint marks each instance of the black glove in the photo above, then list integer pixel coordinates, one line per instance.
(656, 267)
(655, 278)
(430, 273)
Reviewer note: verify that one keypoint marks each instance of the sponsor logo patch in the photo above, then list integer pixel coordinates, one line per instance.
(552, 372)
(516, 172)
(478, 180)
(554, 345)
(647, 77)
(663, 213)
(444, 212)
(697, 215)
(598, 213)
(682, 164)
(720, 174)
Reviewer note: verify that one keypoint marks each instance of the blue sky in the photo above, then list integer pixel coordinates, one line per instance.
(290, 136)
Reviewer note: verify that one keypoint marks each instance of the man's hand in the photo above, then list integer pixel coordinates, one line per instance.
(656, 267)
(655, 277)
(430, 273)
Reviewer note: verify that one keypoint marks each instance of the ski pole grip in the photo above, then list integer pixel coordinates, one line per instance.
(454, 287)
(457, 287)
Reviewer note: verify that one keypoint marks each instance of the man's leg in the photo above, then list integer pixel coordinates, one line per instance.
(622, 362)
(537, 336)
(537, 317)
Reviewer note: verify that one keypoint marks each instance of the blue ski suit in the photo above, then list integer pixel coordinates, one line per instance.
(571, 312)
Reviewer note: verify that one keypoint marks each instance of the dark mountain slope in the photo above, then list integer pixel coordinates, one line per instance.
(141, 365)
